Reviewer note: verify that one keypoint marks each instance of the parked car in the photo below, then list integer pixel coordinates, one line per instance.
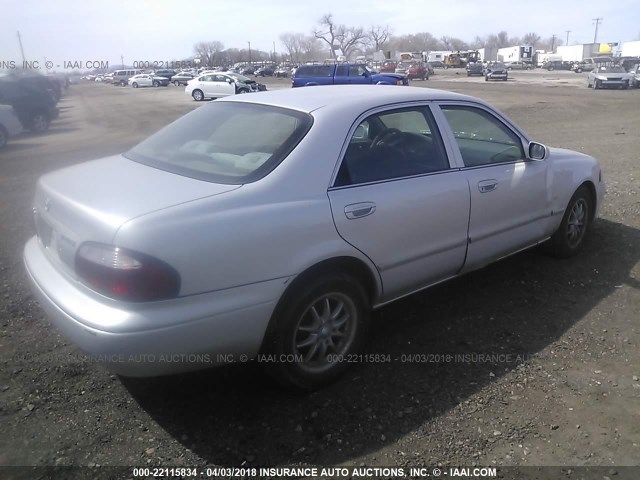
(264, 72)
(247, 71)
(496, 71)
(10, 125)
(518, 65)
(344, 73)
(590, 63)
(417, 70)
(33, 105)
(182, 78)
(121, 77)
(635, 82)
(611, 76)
(388, 66)
(283, 72)
(148, 80)
(269, 224)
(557, 65)
(475, 68)
(215, 85)
(167, 73)
(437, 64)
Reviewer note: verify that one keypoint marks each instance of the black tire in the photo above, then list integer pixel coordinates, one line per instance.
(156, 83)
(4, 136)
(486, 78)
(176, 83)
(243, 90)
(39, 122)
(299, 329)
(134, 85)
(123, 83)
(568, 240)
(625, 86)
(197, 95)
(596, 84)
(579, 70)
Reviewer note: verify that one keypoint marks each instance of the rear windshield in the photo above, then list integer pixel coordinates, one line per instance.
(225, 142)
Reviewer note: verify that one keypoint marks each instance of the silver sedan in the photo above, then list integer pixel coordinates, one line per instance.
(268, 226)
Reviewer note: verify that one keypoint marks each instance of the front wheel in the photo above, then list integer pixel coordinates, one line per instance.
(568, 240)
(197, 95)
(134, 85)
(176, 83)
(314, 330)
(486, 78)
(597, 84)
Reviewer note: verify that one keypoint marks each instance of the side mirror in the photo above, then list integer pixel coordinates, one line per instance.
(229, 81)
(537, 151)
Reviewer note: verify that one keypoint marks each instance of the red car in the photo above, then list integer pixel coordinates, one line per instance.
(388, 66)
(418, 70)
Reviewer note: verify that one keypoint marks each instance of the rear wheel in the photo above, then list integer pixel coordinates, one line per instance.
(597, 84)
(625, 85)
(197, 95)
(176, 83)
(314, 329)
(39, 122)
(156, 83)
(568, 240)
(486, 78)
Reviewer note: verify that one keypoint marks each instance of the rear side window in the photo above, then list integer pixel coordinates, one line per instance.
(314, 71)
(225, 142)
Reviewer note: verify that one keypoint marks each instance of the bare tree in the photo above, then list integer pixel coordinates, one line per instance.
(418, 42)
(326, 32)
(207, 51)
(310, 48)
(350, 39)
(531, 39)
(378, 35)
(293, 43)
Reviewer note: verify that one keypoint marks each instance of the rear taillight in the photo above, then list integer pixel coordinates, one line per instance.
(125, 275)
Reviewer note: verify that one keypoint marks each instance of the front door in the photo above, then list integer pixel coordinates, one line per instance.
(510, 208)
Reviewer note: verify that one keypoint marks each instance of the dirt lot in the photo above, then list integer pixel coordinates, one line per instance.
(552, 372)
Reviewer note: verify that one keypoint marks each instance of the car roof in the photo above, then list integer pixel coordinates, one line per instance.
(358, 97)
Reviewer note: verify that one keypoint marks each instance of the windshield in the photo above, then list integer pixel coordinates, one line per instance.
(497, 65)
(225, 142)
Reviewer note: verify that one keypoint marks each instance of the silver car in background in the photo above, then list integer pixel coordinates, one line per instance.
(211, 240)
(609, 76)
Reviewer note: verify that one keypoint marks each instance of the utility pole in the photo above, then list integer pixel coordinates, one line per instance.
(598, 21)
(567, 32)
(21, 49)
(249, 52)
(553, 41)
(122, 60)
(274, 51)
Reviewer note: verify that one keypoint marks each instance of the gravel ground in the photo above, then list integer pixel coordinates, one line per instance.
(543, 361)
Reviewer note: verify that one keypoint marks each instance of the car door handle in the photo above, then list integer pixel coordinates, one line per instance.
(486, 186)
(359, 210)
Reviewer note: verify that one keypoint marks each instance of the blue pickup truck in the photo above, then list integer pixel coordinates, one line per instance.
(343, 74)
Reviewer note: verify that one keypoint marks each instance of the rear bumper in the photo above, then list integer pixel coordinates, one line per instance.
(204, 330)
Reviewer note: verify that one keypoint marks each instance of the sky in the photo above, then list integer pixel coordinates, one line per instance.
(160, 30)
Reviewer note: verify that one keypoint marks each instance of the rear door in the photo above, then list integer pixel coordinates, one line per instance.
(398, 200)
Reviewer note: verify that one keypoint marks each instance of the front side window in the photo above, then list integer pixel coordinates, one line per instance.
(482, 138)
(225, 142)
(356, 71)
(393, 144)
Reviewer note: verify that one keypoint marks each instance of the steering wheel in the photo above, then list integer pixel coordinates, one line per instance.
(390, 137)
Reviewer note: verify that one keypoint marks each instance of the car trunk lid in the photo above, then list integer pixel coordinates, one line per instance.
(90, 201)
